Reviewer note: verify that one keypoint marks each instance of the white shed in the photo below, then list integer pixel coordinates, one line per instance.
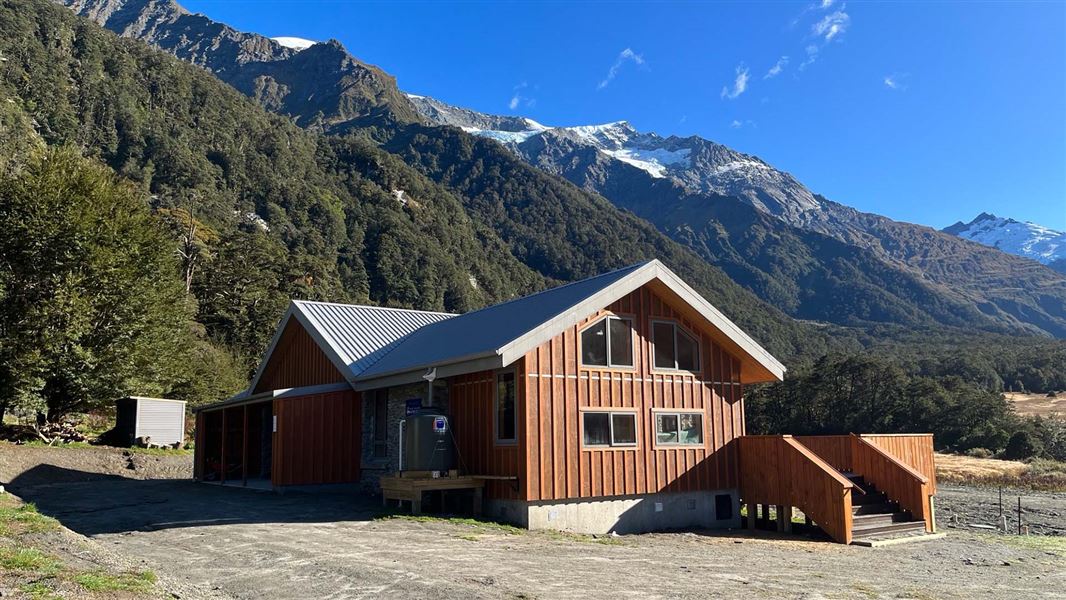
(160, 419)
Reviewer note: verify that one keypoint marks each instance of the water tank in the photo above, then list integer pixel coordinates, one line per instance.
(427, 441)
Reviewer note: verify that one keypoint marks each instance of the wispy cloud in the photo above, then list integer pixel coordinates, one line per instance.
(812, 55)
(738, 124)
(740, 83)
(826, 4)
(519, 99)
(896, 81)
(777, 68)
(832, 25)
(624, 56)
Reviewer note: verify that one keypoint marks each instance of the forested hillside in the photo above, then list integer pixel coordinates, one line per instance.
(261, 211)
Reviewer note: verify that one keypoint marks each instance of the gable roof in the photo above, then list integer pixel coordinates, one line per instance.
(352, 336)
(376, 347)
(498, 335)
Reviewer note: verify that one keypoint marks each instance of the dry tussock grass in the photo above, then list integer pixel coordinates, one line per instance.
(1038, 474)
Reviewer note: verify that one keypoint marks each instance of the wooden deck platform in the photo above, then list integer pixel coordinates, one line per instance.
(409, 486)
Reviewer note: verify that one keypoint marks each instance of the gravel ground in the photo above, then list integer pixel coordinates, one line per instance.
(211, 542)
(962, 507)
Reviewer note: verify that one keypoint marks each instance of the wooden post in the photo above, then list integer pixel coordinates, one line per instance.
(477, 502)
(787, 518)
(751, 515)
(222, 473)
(1019, 515)
(244, 450)
(780, 510)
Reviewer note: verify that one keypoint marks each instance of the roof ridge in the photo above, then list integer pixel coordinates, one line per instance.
(390, 308)
(633, 266)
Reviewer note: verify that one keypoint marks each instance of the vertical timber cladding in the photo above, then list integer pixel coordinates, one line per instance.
(471, 402)
(297, 361)
(558, 387)
(318, 439)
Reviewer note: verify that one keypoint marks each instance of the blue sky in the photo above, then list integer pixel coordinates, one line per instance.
(925, 112)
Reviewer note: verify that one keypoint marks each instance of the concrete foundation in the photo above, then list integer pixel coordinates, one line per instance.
(624, 514)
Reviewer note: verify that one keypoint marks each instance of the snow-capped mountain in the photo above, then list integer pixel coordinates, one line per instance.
(294, 42)
(696, 163)
(1016, 237)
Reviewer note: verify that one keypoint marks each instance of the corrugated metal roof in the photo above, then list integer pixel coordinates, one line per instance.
(361, 335)
(483, 332)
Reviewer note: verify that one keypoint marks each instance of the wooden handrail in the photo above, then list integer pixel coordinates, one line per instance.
(914, 472)
(899, 481)
(782, 471)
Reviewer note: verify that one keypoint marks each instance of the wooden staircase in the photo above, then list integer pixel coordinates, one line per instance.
(876, 517)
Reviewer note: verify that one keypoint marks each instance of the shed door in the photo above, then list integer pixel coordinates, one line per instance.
(164, 422)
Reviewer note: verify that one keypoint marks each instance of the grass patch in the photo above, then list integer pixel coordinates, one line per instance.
(466, 521)
(28, 560)
(98, 581)
(39, 591)
(1042, 543)
(1038, 474)
(134, 449)
(469, 537)
(17, 518)
(566, 536)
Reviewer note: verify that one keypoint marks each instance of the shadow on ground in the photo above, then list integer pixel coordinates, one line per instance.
(94, 503)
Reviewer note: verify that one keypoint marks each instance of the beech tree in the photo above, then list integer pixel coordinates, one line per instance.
(91, 305)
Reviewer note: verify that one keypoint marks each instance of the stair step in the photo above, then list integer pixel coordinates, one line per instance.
(873, 508)
(881, 529)
(874, 519)
(868, 498)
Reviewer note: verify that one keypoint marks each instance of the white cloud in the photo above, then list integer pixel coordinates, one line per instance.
(812, 55)
(740, 84)
(518, 98)
(777, 68)
(826, 4)
(738, 124)
(623, 56)
(896, 81)
(832, 25)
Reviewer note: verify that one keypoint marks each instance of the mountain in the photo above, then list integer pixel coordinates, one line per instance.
(320, 85)
(1030, 240)
(302, 214)
(678, 183)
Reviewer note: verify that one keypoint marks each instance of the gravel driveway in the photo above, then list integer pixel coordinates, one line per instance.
(210, 542)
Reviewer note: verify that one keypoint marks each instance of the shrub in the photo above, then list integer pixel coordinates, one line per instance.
(1022, 445)
(979, 453)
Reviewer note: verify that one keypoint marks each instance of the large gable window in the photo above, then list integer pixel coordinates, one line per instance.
(675, 348)
(608, 343)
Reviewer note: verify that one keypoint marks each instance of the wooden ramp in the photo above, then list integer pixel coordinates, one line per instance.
(853, 487)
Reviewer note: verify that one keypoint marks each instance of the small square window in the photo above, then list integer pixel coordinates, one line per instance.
(597, 429)
(680, 428)
(623, 429)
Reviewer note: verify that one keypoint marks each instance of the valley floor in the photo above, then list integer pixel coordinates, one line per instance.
(203, 541)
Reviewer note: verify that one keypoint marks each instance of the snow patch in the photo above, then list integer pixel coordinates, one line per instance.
(294, 42)
(654, 161)
(507, 137)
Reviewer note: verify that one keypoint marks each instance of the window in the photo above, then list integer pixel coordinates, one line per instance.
(506, 408)
(675, 348)
(608, 343)
(380, 407)
(679, 428)
(608, 429)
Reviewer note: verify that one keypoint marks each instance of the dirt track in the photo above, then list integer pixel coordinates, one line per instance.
(211, 542)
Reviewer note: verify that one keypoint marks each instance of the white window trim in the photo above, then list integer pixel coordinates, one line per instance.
(496, 409)
(677, 326)
(656, 412)
(610, 364)
(610, 412)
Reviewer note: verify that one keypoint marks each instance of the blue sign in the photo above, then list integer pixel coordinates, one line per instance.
(440, 424)
(413, 406)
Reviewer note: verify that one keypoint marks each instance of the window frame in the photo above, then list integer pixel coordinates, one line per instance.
(633, 335)
(676, 326)
(496, 408)
(655, 412)
(610, 412)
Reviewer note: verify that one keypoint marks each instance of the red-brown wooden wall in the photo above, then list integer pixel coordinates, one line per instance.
(297, 361)
(471, 403)
(556, 467)
(318, 439)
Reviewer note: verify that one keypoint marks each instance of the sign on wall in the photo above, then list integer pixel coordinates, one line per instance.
(413, 406)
